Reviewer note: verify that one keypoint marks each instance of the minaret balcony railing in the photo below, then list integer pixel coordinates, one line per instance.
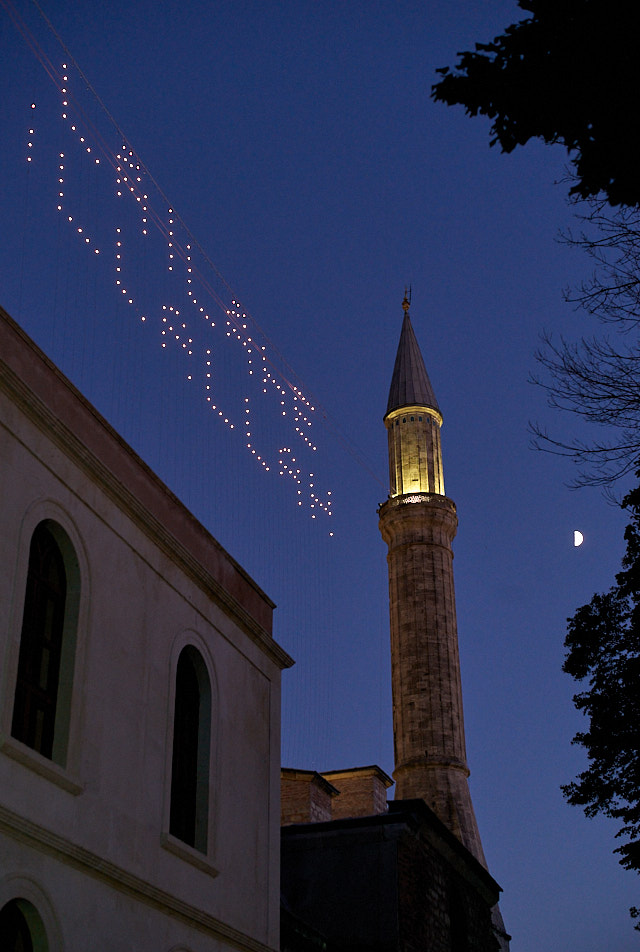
(406, 499)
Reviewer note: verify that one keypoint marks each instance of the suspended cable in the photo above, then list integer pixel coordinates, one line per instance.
(273, 356)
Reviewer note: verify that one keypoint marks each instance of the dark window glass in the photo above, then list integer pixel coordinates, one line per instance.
(36, 697)
(189, 801)
(184, 768)
(15, 934)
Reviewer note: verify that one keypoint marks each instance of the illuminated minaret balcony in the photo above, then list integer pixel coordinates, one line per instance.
(415, 460)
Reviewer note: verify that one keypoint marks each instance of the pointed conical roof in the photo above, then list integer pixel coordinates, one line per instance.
(410, 384)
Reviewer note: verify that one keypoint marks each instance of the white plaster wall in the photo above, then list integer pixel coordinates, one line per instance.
(80, 914)
(138, 608)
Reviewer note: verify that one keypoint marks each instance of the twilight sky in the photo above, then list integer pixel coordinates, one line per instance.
(289, 155)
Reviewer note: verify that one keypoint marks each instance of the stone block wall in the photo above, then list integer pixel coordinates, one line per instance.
(440, 908)
(392, 882)
(305, 797)
(362, 791)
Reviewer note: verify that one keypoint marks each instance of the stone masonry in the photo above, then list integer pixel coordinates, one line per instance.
(428, 723)
(305, 797)
(362, 791)
(418, 523)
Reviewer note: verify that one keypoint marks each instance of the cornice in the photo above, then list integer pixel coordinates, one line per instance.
(35, 835)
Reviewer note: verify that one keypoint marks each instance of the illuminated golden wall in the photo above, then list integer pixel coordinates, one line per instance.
(415, 457)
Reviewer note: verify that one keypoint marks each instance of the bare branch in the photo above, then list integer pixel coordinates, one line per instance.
(598, 378)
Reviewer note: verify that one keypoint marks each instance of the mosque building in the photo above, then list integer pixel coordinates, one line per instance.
(139, 697)
(142, 802)
(411, 873)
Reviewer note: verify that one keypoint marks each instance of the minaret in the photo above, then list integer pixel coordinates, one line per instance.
(418, 523)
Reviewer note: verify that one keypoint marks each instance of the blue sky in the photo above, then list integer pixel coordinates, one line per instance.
(313, 178)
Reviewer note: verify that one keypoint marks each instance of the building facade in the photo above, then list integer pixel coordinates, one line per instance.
(395, 881)
(139, 696)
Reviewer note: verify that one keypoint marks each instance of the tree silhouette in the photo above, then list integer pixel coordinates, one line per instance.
(603, 647)
(568, 74)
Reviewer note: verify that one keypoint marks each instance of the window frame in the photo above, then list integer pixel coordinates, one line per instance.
(202, 858)
(64, 767)
(40, 695)
(191, 759)
(36, 907)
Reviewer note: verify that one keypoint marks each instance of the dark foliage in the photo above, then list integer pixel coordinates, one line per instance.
(569, 73)
(603, 647)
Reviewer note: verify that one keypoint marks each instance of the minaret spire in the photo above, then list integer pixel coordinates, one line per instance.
(418, 523)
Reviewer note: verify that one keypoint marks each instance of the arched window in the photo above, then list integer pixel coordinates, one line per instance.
(21, 928)
(189, 814)
(47, 644)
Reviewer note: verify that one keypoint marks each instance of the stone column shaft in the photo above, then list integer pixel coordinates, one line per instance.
(428, 721)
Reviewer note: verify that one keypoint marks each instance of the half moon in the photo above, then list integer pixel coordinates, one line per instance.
(578, 538)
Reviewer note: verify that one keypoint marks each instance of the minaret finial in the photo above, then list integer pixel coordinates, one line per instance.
(406, 304)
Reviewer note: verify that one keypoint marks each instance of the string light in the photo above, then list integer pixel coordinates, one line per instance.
(32, 132)
(191, 278)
